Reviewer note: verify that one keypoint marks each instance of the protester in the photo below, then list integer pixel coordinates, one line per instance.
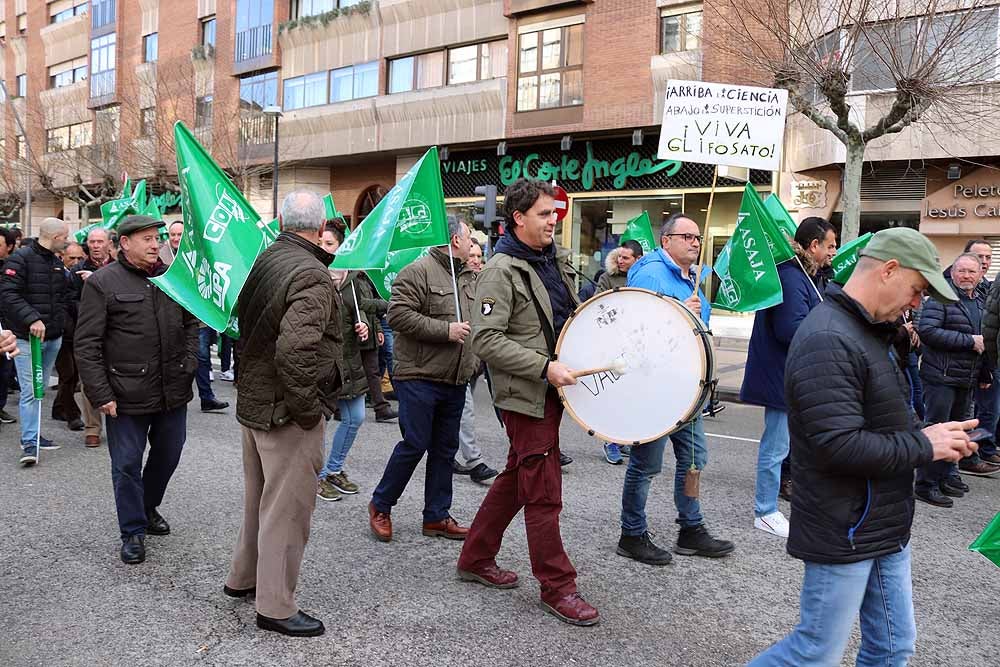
(671, 271)
(589, 288)
(951, 368)
(764, 375)
(8, 344)
(854, 447)
(290, 333)
(99, 255)
(359, 295)
(333, 480)
(64, 407)
(987, 400)
(515, 332)
(113, 246)
(433, 366)
(227, 349)
(469, 459)
(169, 250)
(7, 372)
(33, 294)
(991, 333)
(135, 347)
(203, 378)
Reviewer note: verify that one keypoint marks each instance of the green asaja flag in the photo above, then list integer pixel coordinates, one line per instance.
(223, 236)
(37, 375)
(331, 209)
(988, 542)
(747, 271)
(640, 230)
(383, 278)
(112, 212)
(411, 215)
(781, 216)
(778, 240)
(847, 258)
(80, 235)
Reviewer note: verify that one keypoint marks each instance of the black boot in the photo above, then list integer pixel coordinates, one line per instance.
(133, 550)
(933, 496)
(642, 549)
(299, 625)
(156, 524)
(949, 490)
(697, 541)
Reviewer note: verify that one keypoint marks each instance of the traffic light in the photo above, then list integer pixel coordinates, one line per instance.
(488, 206)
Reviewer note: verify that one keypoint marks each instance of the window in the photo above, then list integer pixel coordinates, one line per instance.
(305, 91)
(102, 13)
(68, 136)
(253, 28)
(477, 62)
(680, 32)
(550, 68)
(22, 24)
(416, 72)
(203, 112)
(256, 94)
(150, 46)
(351, 83)
(102, 65)
(208, 31)
(301, 8)
(22, 148)
(106, 125)
(148, 118)
(68, 73)
(22, 85)
(68, 13)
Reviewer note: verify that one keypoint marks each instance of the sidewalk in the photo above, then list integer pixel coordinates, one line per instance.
(732, 337)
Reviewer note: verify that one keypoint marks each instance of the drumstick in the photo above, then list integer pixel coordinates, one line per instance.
(617, 366)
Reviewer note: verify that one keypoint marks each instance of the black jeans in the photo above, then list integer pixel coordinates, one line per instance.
(137, 489)
(65, 407)
(370, 360)
(942, 403)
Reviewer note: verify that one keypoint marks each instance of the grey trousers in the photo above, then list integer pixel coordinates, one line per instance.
(280, 468)
(469, 455)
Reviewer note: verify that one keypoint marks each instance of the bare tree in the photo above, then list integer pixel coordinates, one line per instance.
(866, 70)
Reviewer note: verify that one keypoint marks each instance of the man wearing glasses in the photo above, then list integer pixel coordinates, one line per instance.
(670, 271)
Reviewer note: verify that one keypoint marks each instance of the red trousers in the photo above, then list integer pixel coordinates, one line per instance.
(532, 480)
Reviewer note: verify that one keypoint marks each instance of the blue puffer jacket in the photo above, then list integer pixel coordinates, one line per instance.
(946, 331)
(657, 272)
(773, 329)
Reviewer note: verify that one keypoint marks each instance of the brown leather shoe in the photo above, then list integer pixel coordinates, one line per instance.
(491, 576)
(92, 440)
(992, 458)
(785, 489)
(448, 528)
(573, 609)
(380, 523)
(980, 468)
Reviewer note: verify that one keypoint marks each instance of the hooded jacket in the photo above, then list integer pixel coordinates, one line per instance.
(657, 272)
(612, 277)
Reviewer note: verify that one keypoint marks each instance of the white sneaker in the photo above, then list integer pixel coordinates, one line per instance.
(226, 375)
(774, 523)
(211, 376)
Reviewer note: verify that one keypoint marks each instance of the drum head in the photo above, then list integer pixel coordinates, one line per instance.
(662, 358)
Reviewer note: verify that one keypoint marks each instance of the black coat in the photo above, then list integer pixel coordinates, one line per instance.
(134, 344)
(34, 287)
(854, 439)
(991, 325)
(946, 332)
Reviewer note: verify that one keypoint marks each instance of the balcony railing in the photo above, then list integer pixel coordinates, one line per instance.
(102, 83)
(253, 43)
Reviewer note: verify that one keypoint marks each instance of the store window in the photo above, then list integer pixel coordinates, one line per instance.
(680, 32)
(550, 68)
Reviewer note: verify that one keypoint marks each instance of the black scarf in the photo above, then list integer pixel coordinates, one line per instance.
(545, 264)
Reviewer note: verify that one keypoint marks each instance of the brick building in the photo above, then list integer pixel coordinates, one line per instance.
(569, 90)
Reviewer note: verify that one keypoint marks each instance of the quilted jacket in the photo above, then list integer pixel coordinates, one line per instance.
(291, 337)
(34, 287)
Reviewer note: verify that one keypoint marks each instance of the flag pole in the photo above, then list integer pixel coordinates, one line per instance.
(38, 436)
(454, 283)
(704, 240)
(357, 309)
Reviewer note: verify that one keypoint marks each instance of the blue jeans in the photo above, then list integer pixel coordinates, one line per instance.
(429, 418)
(139, 489)
(916, 384)
(942, 403)
(352, 416)
(385, 352)
(880, 590)
(645, 464)
(988, 412)
(773, 450)
(29, 408)
(202, 375)
(225, 352)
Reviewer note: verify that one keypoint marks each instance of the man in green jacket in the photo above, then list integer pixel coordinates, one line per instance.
(524, 296)
(433, 364)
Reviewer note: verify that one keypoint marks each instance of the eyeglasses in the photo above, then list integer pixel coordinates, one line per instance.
(689, 237)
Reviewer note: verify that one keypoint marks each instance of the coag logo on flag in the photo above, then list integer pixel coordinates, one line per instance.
(352, 242)
(389, 278)
(729, 292)
(226, 210)
(213, 285)
(415, 216)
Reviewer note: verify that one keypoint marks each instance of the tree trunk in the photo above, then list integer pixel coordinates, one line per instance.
(851, 194)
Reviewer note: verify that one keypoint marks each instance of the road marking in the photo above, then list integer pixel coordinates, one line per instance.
(732, 437)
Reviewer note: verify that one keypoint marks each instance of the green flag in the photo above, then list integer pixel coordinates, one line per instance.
(847, 258)
(37, 376)
(382, 278)
(781, 216)
(988, 542)
(80, 235)
(223, 236)
(126, 187)
(775, 234)
(331, 209)
(639, 229)
(411, 215)
(113, 211)
(746, 269)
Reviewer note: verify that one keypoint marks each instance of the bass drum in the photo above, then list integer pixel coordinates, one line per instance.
(662, 358)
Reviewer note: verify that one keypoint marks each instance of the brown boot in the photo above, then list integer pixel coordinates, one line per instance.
(92, 440)
(448, 528)
(572, 609)
(491, 576)
(380, 524)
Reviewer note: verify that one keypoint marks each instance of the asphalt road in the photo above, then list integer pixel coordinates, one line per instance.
(66, 599)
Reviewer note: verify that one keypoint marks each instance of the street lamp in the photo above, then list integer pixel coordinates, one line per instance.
(274, 112)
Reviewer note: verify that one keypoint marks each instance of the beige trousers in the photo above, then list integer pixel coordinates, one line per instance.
(280, 468)
(91, 417)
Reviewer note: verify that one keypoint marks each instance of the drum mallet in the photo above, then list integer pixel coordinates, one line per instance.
(618, 366)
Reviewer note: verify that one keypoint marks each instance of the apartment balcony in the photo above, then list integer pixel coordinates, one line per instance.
(66, 40)
(88, 163)
(66, 105)
(254, 50)
(446, 115)
(409, 26)
(314, 46)
(345, 128)
(682, 65)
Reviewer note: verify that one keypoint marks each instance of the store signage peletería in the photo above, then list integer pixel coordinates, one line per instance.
(976, 200)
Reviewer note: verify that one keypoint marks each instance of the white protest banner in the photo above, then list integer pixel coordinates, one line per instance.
(722, 124)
